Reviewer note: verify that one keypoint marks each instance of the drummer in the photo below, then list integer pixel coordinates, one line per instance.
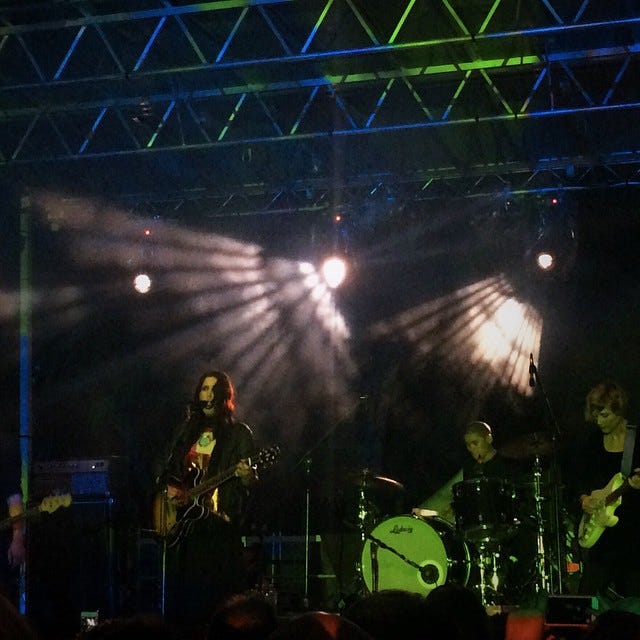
(485, 461)
(518, 550)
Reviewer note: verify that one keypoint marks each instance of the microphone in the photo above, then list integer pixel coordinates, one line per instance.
(193, 409)
(532, 371)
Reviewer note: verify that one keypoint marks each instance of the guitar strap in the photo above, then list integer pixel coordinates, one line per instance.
(627, 453)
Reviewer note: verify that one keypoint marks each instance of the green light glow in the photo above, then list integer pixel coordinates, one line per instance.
(435, 69)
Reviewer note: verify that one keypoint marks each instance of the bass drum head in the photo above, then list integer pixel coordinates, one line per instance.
(430, 545)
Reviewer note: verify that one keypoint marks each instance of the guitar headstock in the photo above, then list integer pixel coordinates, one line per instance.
(53, 503)
(265, 457)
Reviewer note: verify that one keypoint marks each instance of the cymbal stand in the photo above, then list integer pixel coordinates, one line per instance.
(558, 545)
(543, 578)
(488, 565)
(363, 511)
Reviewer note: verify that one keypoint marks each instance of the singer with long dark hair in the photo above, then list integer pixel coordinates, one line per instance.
(211, 450)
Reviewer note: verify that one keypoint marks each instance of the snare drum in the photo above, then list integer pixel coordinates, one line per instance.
(414, 555)
(485, 508)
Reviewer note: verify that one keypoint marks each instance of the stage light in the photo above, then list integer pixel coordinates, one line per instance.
(553, 253)
(545, 260)
(142, 283)
(334, 271)
(271, 318)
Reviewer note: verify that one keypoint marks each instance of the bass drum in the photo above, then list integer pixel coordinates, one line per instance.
(415, 555)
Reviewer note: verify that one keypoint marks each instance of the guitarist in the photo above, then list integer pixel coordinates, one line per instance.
(206, 565)
(13, 546)
(611, 567)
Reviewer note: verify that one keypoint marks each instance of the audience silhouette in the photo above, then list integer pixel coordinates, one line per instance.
(13, 626)
(389, 614)
(245, 616)
(319, 625)
(449, 611)
(614, 625)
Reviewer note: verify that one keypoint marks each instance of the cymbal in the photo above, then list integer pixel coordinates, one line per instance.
(365, 479)
(529, 445)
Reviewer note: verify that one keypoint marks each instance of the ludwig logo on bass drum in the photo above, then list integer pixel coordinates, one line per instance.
(400, 529)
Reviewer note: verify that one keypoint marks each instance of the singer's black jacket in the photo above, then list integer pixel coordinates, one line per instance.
(234, 441)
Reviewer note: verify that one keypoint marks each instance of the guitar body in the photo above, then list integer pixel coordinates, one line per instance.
(165, 514)
(593, 525)
(174, 520)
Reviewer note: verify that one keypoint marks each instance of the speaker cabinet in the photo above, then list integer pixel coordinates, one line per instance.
(77, 561)
(326, 576)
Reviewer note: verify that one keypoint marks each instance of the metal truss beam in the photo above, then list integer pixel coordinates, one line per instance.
(387, 191)
(475, 88)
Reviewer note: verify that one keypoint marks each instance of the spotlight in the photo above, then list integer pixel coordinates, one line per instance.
(545, 260)
(555, 247)
(142, 283)
(334, 271)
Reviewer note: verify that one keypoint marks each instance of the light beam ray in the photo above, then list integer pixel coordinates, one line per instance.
(216, 300)
(482, 327)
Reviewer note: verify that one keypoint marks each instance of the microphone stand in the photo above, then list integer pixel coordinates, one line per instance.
(307, 465)
(534, 378)
(306, 460)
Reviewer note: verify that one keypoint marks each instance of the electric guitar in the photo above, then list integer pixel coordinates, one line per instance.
(592, 525)
(48, 505)
(173, 519)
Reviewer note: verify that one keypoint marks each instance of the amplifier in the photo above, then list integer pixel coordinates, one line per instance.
(283, 561)
(93, 477)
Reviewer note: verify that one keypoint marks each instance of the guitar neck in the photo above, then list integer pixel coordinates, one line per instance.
(7, 523)
(614, 495)
(211, 483)
(263, 458)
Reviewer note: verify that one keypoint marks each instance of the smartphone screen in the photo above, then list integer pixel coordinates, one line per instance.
(88, 620)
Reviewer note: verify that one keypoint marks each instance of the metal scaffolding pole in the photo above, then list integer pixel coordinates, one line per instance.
(25, 367)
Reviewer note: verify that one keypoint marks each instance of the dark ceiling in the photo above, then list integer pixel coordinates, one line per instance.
(237, 107)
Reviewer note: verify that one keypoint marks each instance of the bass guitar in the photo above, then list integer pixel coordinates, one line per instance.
(173, 519)
(48, 505)
(592, 525)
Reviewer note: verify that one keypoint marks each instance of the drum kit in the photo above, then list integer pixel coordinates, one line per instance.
(421, 551)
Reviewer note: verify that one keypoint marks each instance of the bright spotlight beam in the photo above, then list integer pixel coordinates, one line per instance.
(142, 283)
(334, 271)
(486, 326)
(545, 261)
(273, 321)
